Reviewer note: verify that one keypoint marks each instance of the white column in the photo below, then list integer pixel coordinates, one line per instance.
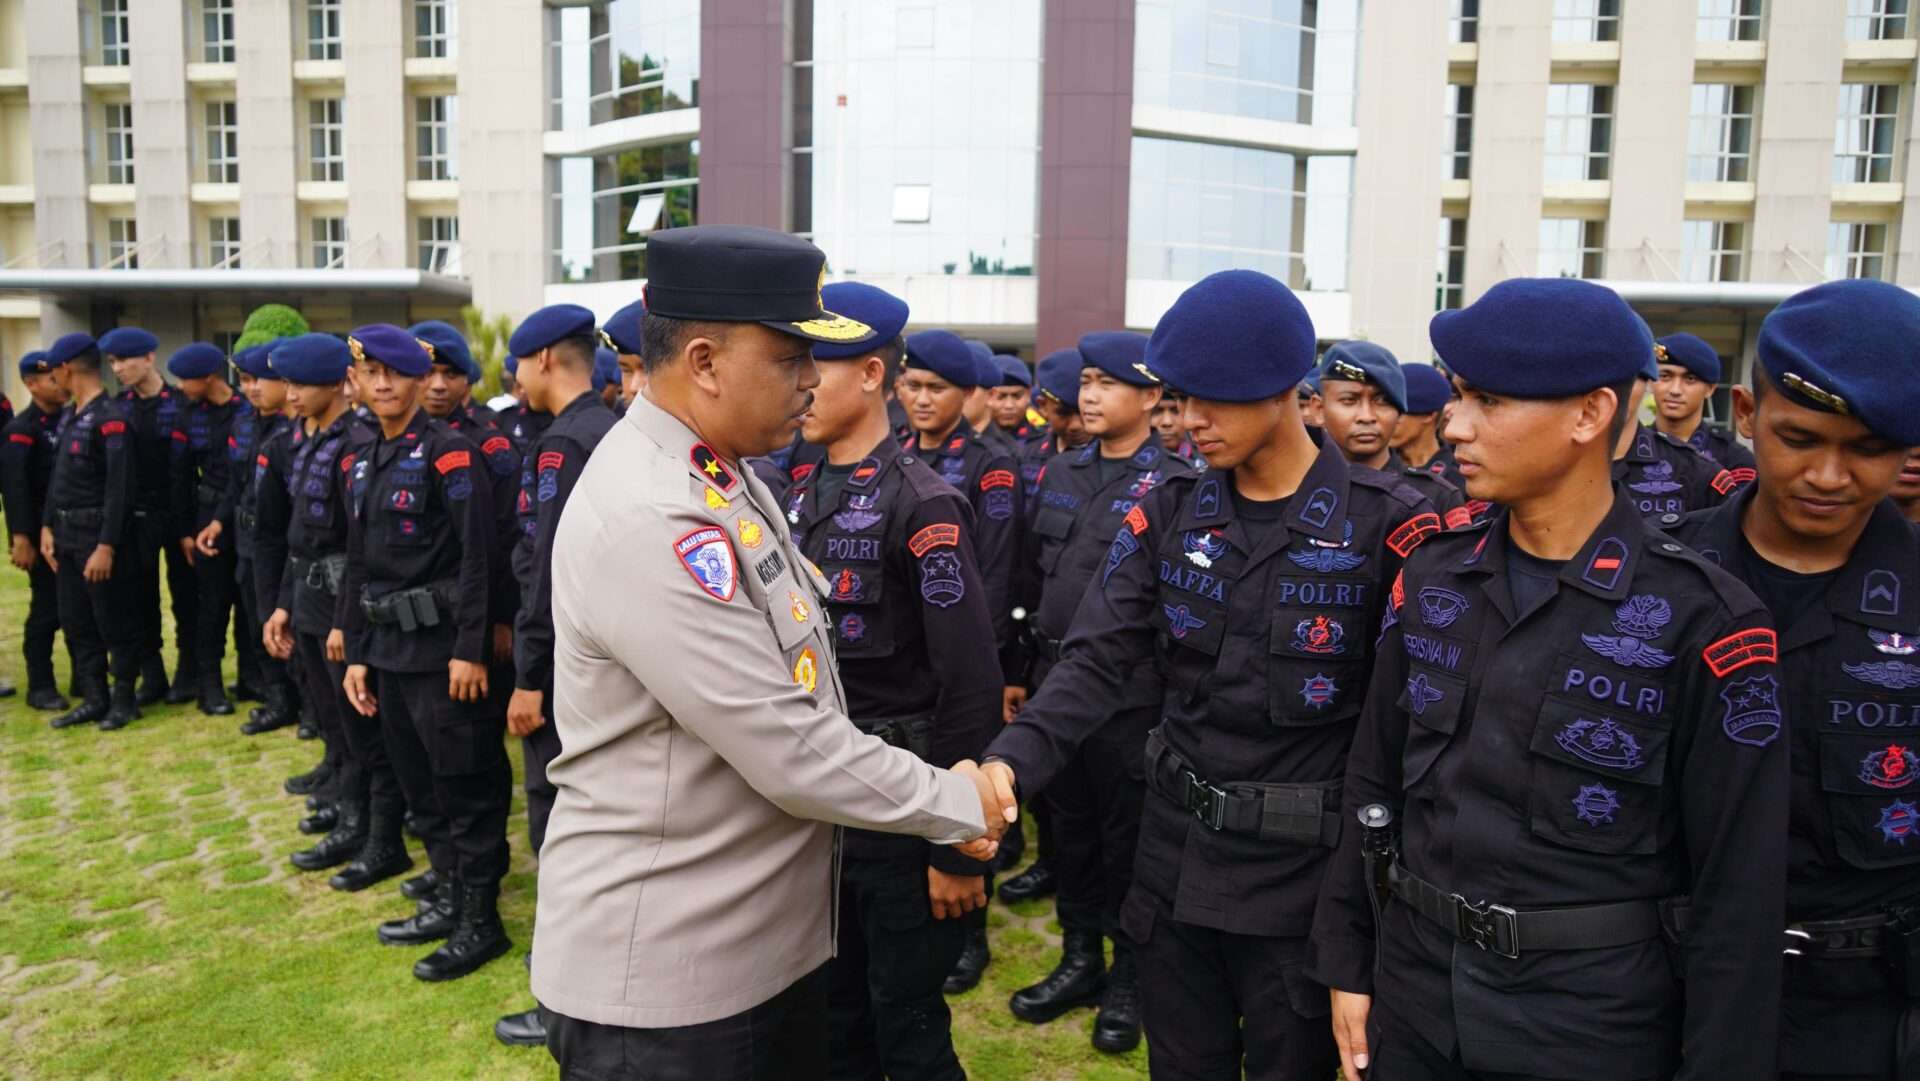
(270, 133)
(1651, 106)
(1509, 141)
(163, 133)
(1793, 165)
(504, 214)
(57, 107)
(379, 123)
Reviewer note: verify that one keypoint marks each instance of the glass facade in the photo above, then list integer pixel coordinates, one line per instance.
(1456, 155)
(1579, 131)
(1856, 250)
(1713, 251)
(1864, 133)
(1729, 20)
(1288, 60)
(605, 206)
(1572, 248)
(1586, 20)
(1876, 20)
(1720, 133)
(629, 58)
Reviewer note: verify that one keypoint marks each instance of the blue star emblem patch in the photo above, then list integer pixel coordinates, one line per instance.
(1181, 620)
(1421, 693)
(1596, 804)
(1898, 821)
(1318, 691)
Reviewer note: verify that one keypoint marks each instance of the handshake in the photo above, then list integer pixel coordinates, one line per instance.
(999, 806)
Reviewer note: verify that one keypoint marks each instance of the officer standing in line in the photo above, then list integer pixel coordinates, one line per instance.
(1663, 475)
(1254, 590)
(1171, 432)
(978, 411)
(1010, 397)
(86, 539)
(248, 652)
(1906, 489)
(905, 599)
(1833, 408)
(421, 563)
(1363, 395)
(1689, 370)
(199, 470)
(556, 351)
(152, 407)
(606, 375)
(622, 331)
(1094, 802)
(1417, 438)
(26, 470)
(1552, 831)
(447, 394)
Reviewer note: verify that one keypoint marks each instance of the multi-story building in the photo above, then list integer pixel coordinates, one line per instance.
(1019, 170)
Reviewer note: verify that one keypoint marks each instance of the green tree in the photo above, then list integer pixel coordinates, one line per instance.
(270, 322)
(487, 340)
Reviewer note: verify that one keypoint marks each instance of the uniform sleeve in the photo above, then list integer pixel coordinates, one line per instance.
(503, 467)
(16, 482)
(967, 710)
(348, 617)
(180, 476)
(1340, 951)
(117, 506)
(996, 500)
(715, 667)
(1733, 816)
(1111, 635)
(467, 490)
(273, 514)
(238, 470)
(557, 467)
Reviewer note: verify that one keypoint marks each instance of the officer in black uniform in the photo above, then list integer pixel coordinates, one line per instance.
(1833, 409)
(978, 412)
(1254, 590)
(1011, 399)
(1417, 438)
(1663, 475)
(199, 468)
(555, 348)
(87, 540)
(249, 654)
(1689, 370)
(906, 599)
(26, 469)
(415, 607)
(1094, 801)
(152, 407)
(1573, 727)
(447, 394)
(1363, 396)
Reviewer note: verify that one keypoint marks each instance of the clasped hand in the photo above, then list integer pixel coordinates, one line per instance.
(999, 806)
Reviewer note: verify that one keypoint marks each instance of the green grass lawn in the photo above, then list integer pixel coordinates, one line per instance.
(151, 927)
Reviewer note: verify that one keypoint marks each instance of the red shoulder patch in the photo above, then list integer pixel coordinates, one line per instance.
(1736, 651)
(1459, 516)
(550, 459)
(260, 460)
(996, 478)
(801, 472)
(1399, 595)
(496, 444)
(944, 534)
(113, 427)
(1412, 531)
(20, 437)
(1729, 479)
(452, 460)
(1137, 521)
(346, 463)
(179, 436)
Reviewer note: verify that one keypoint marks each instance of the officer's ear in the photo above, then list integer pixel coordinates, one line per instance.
(1746, 409)
(1596, 419)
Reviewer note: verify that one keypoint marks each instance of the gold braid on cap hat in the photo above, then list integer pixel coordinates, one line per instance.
(353, 346)
(428, 346)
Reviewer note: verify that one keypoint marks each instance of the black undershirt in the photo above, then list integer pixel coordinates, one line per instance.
(832, 479)
(1530, 579)
(1263, 511)
(1786, 593)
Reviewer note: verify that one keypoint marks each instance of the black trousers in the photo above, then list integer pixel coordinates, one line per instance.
(213, 583)
(327, 692)
(1094, 809)
(1398, 1053)
(537, 751)
(156, 550)
(1847, 1020)
(43, 622)
(272, 671)
(451, 760)
(782, 1039)
(94, 616)
(1218, 1003)
(887, 1017)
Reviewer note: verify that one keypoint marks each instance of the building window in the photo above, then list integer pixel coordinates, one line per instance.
(1292, 62)
(323, 29)
(1856, 250)
(216, 31)
(223, 243)
(329, 243)
(1572, 248)
(433, 25)
(439, 245)
(627, 58)
(1876, 20)
(1464, 24)
(1586, 20)
(1579, 131)
(326, 140)
(1714, 251)
(113, 33)
(223, 142)
(1456, 158)
(123, 241)
(118, 124)
(1864, 133)
(1720, 133)
(1450, 276)
(606, 206)
(1729, 20)
(436, 152)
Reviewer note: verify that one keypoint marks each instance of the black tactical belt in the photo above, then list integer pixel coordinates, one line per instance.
(1858, 938)
(248, 520)
(82, 518)
(207, 494)
(1047, 648)
(1506, 931)
(409, 609)
(322, 575)
(1294, 813)
(907, 733)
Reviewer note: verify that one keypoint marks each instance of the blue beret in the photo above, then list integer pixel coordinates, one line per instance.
(1121, 354)
(622, 329)
(1543, 338)
(511, 363)
(1310, 385)
(447, 346)
(1848, 347)
(1013, 371)
(1428, 389)
(311, 360)
(606, 368)
(1233, 336)
(68, 346)
(946, 355)
(1058, 377)
(197, 360)
(128, 342)
(989, 372)
(1365, 362)
(877, 308)
(549, 325)
(391, 346)
(1691, 353)
(250, 360)
(36, 363)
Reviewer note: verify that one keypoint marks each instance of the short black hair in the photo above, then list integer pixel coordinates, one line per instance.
(894, 356)
(579, 349)
(1627, 407)
(88, 359)
(662, 337)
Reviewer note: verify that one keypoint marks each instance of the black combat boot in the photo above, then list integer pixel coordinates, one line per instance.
(421, 887)
(1013, 847)
(1077, 981)
(349, 836)
(383, 856)
(306, 784)
(521, 1029)
(974, 958)
(47, 698)
(278, 711)
(93, 706)
(123, 707)
(1116, 1028)
(153, 682)
(213, 698)
(321, 821)
(240, 690)
(479, 938)
(1031, 884)
(432, 923)
(186, 688)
